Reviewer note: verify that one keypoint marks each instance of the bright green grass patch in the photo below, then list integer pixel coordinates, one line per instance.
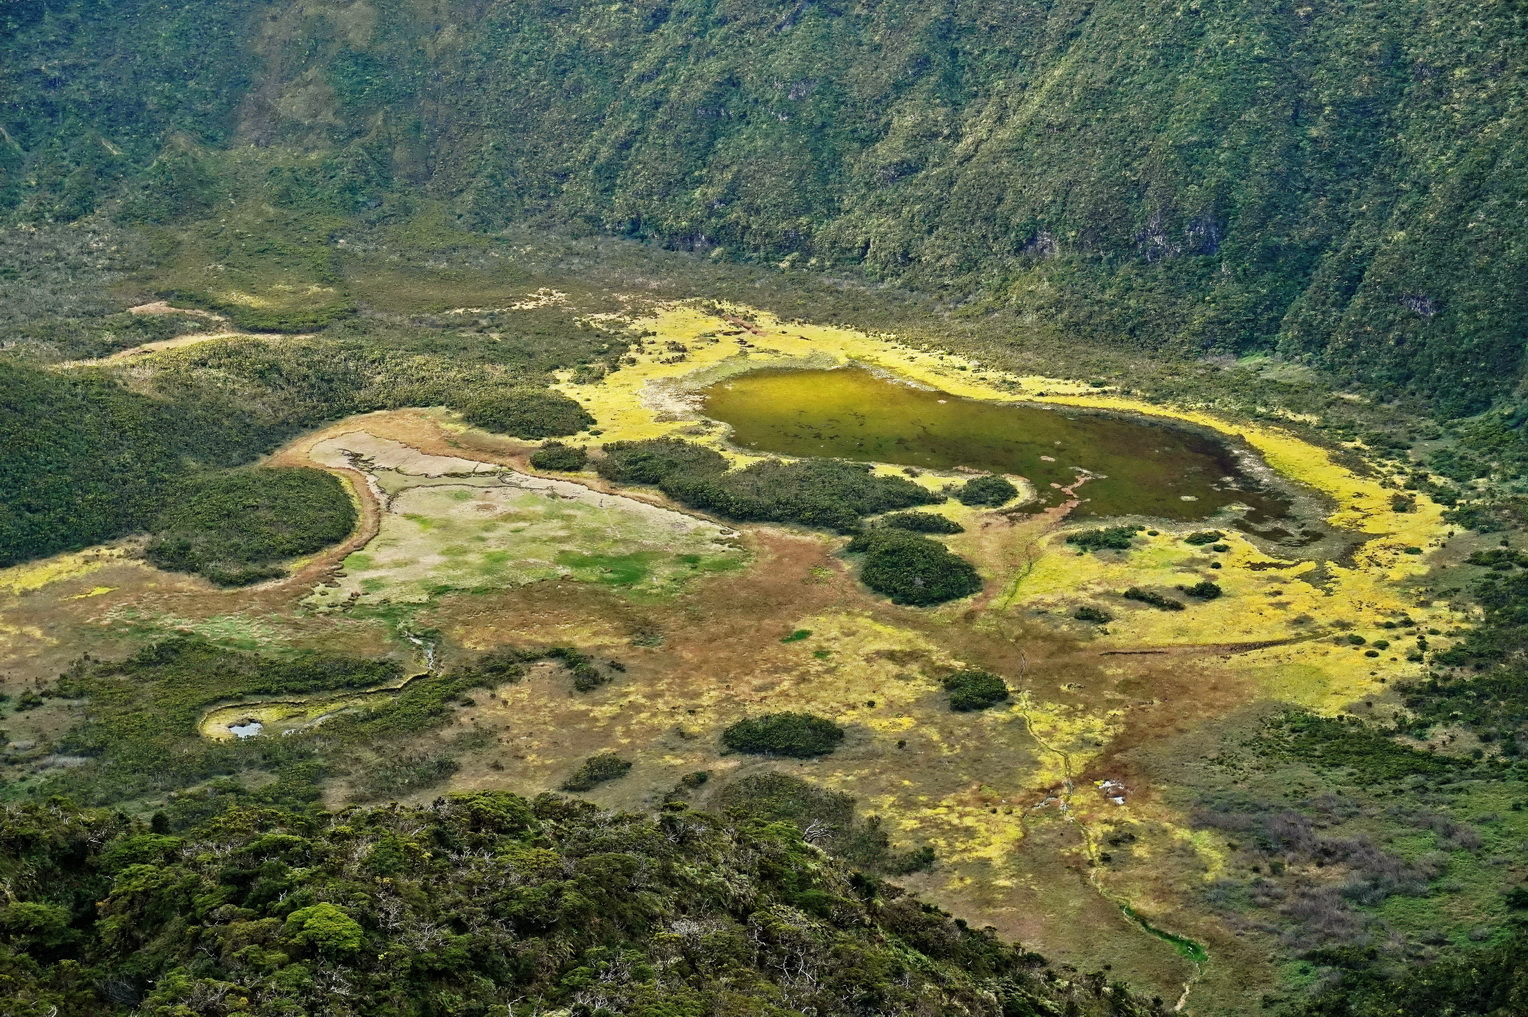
(611, 569)
(449, 538)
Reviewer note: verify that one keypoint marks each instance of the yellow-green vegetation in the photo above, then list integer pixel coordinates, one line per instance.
(1269, 599)
(1018, 801)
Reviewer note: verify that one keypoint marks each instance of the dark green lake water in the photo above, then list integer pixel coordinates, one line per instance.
(852, 413)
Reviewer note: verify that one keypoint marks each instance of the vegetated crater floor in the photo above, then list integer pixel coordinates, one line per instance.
(461, 538)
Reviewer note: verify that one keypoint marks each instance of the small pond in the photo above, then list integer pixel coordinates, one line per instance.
(1147, 468)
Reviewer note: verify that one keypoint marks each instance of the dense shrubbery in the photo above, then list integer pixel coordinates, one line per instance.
(1203, 537)
(560, 458)
(597, 770)
(784, 734)
(975, 690)
(239, 526)
(1096, 615)
(1490, 980)
(1203, 590)
(1110, 538)
(911, 569)
(815, 492)
(1154, 599)
(920, 522)
(990, 491)
(83, 459)
(137, 725)
(527, 413)
(477, 899)
(655, 460)
(1504, 637)
(826, 816)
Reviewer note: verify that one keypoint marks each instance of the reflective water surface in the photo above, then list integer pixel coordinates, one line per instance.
(1146, 468)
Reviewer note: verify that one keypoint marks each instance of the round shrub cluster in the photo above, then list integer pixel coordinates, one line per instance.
(527, 413)
(238, 526)
(801, 735)
(920, 522)
(1110, 538)
(989, 491)
(655, 460)
(597, 770)
(561, 458)
(975, 690)
(1203, 590)
(913, 570)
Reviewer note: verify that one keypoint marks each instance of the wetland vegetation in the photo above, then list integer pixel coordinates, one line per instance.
(1056, 466)
(460, 578)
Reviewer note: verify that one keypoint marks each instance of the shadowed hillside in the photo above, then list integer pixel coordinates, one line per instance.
(1333, 181)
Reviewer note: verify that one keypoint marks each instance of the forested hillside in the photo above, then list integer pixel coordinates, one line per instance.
(1335, 181)
(484, 904)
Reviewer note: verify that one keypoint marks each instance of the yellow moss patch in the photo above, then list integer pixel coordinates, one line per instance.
(1267, 599)
(35, 575)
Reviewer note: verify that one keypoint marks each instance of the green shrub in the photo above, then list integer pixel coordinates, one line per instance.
(975, 690)
(796, 636)
(1203, 590)
(913, 570)
(560, 458)
(800, 735)
(236, 527)
(826, 493)
(587, 675)
(527, 413)
(990, 491)
(773, 797)
(1154, 599)
(596, 770)
(1203, 537)
(396, 777)
(920, 522)
(656, 459)
(1502, 559)
(1097, 616)
(325, 928)
(312, 898)
(1110, 538)
(905, 863)
(780, 797)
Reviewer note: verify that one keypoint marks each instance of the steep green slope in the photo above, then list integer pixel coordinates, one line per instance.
(1335, 181)
(484, 904)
